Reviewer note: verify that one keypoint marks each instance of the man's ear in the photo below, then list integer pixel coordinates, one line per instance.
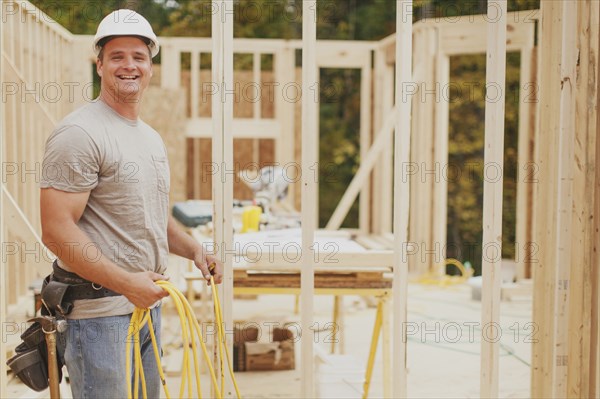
(99, 67)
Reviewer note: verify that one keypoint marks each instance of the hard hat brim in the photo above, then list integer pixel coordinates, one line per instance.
(101, 42)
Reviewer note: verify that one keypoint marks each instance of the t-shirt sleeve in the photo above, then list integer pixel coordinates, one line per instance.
(71, 161)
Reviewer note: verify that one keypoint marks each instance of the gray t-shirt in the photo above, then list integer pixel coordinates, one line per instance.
(123, 164)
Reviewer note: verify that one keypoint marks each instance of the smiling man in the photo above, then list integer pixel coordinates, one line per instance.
(105, 214)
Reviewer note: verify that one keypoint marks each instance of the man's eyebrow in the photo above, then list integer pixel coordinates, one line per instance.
(117, 52)
(114, 52)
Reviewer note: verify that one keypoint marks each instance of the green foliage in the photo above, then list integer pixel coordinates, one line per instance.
(82, 16)
(339, 128)
(253, 19)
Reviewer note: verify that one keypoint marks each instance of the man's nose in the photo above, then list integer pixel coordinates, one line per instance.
(129, 63)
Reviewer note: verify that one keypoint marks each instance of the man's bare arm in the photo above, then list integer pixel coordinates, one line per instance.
(60, 212)
(183, 245)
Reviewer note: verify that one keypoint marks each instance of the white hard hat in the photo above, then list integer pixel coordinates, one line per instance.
(125, 23)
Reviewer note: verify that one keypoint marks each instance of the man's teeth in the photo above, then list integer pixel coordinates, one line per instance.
(127, 77)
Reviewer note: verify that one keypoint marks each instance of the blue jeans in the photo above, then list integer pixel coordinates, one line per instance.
(94, 353)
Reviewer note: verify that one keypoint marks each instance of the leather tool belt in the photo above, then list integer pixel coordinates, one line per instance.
(30, 361)
(61, 288)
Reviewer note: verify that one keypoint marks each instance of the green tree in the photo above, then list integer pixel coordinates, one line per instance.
(81, 17)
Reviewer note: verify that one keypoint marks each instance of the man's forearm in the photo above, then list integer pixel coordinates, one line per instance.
(81, 259)
(181, 243)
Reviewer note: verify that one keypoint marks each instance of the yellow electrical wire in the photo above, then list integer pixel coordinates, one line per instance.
(445, 280)
(189, 324)
(219, 318)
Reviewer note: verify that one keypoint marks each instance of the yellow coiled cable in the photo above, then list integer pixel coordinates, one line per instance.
(445, 280)
(189, 325)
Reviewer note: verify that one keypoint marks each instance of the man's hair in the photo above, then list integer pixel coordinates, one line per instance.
(106, 39)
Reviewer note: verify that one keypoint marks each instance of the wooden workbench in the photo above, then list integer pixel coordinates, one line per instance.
(267, 262)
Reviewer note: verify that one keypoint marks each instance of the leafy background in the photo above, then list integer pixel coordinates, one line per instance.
(340, 100)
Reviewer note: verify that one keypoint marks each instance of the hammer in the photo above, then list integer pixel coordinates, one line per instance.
(50, 325)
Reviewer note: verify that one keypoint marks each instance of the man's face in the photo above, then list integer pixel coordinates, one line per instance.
(125, 68)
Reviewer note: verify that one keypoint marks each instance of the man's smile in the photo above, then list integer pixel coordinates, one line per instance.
(127, 77)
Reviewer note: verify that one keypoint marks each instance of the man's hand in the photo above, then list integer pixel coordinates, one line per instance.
(141, 290)
(180, 243)
(209, 265)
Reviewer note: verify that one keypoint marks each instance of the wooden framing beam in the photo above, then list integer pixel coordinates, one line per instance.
(194, 84)
(492, 196)
(362, 174)
(594, 364)
(243, 128)
(170, 76)
(547, 139)
(197, 165)
(523, 234)
(309, 186)
(28, 42)
(351, 52)
(564, 195)
(565, 358)
(422, 145)
(222, 147)
(583, 310)
(463, 35)
(364, 212)
(383, 100)
(285, 70)
(256, 78)
(440, 161)
(3, 129)
(401, 190)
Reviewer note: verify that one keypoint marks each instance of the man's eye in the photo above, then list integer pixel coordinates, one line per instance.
(117, 58)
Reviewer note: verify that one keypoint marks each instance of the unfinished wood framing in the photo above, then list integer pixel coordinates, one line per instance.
(383, 100)
(593, 382)
(422, 144)
(437, 41)
(492, 197)
(309, 187)
(194, 84)
(564, 195)
(284, 65)
(401, 191)
(562, 223)
(582, 335)
(3, 300)
(527, 112)
(364, 212)
(440, 162)
(3, 274)
(544, 282)
(40, 86)
(222, 154)
(565, 361)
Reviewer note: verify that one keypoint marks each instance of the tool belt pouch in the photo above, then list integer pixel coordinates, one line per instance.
(62, 288)
(30, 363)
(59, 290)
(53, 297)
